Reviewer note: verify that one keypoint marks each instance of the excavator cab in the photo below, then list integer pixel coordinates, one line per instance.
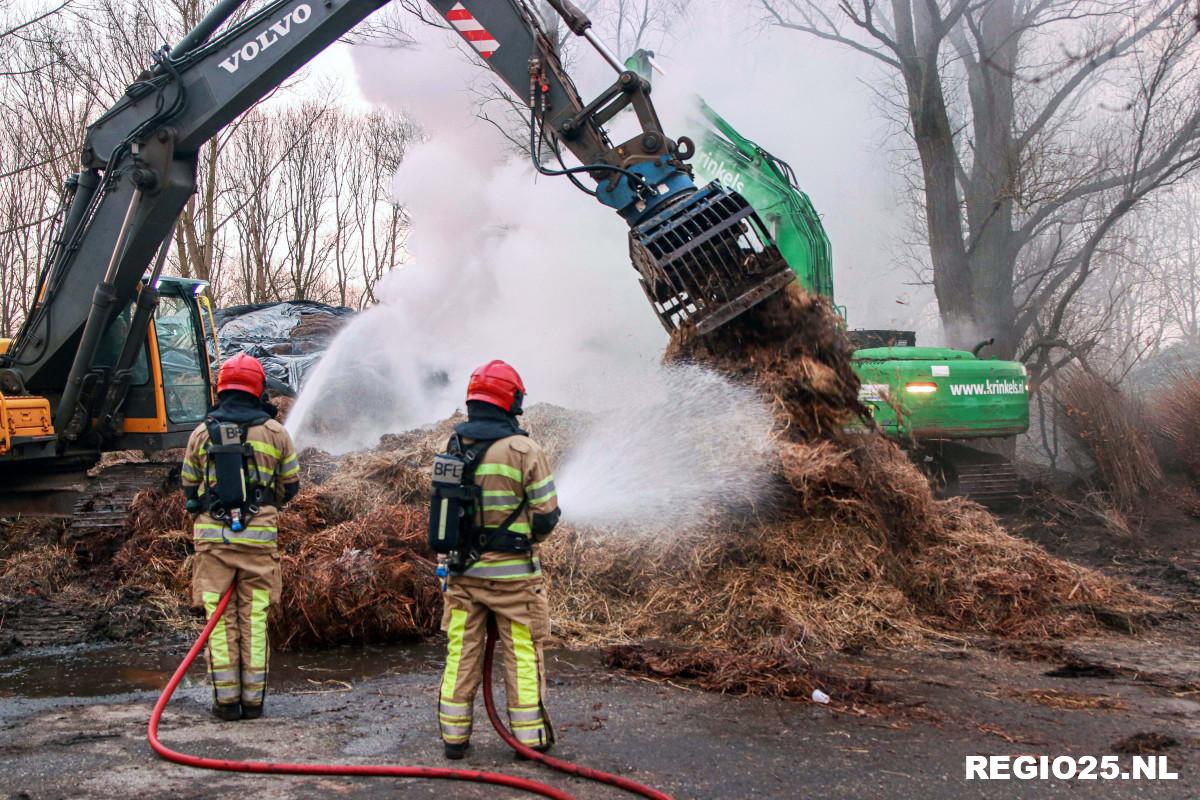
(171, 382)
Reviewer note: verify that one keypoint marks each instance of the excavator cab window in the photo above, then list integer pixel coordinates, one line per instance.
(184, 371)
(109, 349)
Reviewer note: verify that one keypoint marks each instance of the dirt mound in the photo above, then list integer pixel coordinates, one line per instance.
(854, 550)
(849, 549)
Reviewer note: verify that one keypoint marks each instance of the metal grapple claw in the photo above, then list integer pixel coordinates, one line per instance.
(705, 259)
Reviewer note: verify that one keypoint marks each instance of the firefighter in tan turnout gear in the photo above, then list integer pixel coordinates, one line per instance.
(493, 501)
(239, 469)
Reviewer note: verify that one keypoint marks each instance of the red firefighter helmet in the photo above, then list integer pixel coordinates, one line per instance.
(242, 373)
(499, 384)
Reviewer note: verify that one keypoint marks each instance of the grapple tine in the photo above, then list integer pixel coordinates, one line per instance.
(705, 259)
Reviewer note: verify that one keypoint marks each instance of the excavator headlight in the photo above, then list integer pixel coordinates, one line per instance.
(921, 387)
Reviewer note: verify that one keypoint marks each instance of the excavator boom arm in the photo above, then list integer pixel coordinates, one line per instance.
(139, 170)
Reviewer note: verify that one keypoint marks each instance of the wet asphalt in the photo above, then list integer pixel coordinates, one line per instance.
(71, 734)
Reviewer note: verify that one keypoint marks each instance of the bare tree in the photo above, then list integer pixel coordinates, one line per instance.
(1038, 126)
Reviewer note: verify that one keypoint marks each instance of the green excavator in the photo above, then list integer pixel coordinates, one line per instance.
(950, 409)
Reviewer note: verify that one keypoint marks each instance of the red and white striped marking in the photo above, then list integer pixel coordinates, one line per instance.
(472, 31)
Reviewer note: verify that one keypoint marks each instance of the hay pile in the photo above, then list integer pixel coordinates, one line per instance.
(854, 551)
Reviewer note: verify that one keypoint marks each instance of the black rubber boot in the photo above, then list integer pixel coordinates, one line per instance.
(455, 752)
(251, 712)
(227, 712)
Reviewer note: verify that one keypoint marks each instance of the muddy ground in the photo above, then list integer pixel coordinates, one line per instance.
(72, 718)
(955, 702)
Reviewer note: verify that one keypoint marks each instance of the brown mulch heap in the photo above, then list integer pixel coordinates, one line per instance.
(794, 347)
(367, 580)
(854, 551)
(849, 549)
(156, 557)
(39, 571)
(354, 560)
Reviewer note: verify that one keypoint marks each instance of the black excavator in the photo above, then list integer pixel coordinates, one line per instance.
(115, 356)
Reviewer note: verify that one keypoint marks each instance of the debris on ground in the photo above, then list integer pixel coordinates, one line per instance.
(1143, 743)
(743, 674)
(1053, 698)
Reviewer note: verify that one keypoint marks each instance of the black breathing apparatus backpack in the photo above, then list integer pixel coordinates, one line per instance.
(235, 498)
(456, 505)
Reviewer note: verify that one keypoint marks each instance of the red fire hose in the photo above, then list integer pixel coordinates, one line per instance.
(554, 763)
(383, 770)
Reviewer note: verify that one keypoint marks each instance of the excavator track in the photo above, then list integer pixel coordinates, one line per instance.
(99, 520)
(958, 470)
(989, 484)
(93, 502)
(96, 525)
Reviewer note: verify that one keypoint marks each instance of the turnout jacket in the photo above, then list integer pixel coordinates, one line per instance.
(515, 469)
(274, 467)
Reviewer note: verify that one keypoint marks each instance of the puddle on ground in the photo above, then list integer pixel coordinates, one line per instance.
(93, 671)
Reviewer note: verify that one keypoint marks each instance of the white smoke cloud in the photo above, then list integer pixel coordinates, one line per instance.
(505, 264)
(689, 445)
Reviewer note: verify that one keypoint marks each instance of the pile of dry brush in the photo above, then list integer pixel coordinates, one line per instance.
(1173, 415)
(1115, 435)
(1142, 453)
(852, 548)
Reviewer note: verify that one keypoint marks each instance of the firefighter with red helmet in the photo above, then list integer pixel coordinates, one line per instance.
(239, 469)
(517, 508)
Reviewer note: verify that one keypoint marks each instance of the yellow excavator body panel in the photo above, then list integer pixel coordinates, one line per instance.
(4, 345)
(24, 418)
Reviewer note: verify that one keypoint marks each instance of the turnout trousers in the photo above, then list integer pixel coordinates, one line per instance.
(523, 621)
(238, 653)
